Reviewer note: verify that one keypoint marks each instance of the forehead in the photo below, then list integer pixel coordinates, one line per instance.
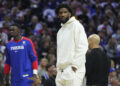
(14, 27)
(63, 9)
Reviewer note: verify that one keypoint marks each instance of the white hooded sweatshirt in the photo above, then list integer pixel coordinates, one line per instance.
(72, 46)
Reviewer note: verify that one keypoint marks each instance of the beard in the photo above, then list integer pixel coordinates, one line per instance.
(65, 20)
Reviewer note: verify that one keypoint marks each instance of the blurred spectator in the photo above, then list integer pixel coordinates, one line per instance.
(35, 25)
(43, 4)
(1, 14)
(27, 15)
(7, 20)
(52, 4)
(14, 12)
(34, 3)
(117, 35)
(5, 28)
(51, 80)
(43, 49)
(67, 2)
(3, 37)
(21, 21)
(106, 28)
(111, 48)
(3, 41)
(116, 24)
(90, 31)
(111, 16)
(51, 55)
(83, 16)
(48, 16)
(104, 38)
(52, 59)
(45, 30)
(49, 73)
(42, 67)
(113, 79)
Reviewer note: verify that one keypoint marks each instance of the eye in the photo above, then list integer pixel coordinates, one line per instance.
(65, 11)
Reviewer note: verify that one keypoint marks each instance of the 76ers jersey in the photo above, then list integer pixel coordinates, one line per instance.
(21, 57)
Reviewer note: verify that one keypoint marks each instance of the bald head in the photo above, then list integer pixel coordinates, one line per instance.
(93, 40)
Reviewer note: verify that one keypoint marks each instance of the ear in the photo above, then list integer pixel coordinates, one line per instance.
(58, 16)
(19, 31)
(70, 15)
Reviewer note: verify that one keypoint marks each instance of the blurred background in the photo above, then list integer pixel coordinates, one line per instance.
(38, 22)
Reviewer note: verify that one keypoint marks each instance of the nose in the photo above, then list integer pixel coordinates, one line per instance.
(62, 14)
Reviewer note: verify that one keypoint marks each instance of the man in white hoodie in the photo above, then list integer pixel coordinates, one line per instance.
(72, 46)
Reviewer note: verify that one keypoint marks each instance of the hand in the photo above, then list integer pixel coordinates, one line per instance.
(74, 69)
(36, 79)
(6, 79)
(4, 82)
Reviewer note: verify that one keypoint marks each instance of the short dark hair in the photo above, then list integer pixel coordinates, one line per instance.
(63, 6)
(17, 25)
(48, 66)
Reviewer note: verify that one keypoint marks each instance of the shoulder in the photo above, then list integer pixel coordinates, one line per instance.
(27, 39)
(95, 50)
(9, 43)
(98, 51)
(75, 22)
(77, 25)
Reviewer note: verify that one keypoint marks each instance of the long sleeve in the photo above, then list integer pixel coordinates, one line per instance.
(81, 45)
(89, 63)
(33, 57)
(7, 63)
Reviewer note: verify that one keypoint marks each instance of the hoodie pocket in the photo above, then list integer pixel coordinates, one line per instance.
(68, 73)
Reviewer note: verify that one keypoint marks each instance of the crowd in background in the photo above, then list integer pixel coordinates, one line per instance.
(38, 22)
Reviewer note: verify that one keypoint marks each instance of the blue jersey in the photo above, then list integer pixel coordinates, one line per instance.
(21, 57)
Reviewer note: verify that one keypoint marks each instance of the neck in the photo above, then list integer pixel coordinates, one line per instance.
(43, 67)
(65, 20)
(95, 46)
(17, 38)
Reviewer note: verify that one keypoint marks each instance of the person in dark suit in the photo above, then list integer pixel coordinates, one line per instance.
(51, 80)
(97, 63)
